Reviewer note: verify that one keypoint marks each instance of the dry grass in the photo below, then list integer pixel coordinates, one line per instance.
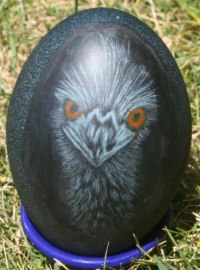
(22, 24)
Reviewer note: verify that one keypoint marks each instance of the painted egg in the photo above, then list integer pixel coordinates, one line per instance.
(98, 132)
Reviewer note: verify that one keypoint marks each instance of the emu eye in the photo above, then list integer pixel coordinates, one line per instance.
(136, 118)
(72, 111)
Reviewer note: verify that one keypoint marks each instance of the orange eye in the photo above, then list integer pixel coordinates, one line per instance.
(72, 111)
(136, 118)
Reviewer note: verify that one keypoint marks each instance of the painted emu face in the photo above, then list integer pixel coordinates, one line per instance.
(105, 101)
(105, 104)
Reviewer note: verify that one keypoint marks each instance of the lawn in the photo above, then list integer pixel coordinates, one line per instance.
(177, 22)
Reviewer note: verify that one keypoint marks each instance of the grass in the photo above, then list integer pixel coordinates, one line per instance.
(177, 22)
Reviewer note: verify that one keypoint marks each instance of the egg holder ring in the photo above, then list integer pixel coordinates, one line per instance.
(73, 260)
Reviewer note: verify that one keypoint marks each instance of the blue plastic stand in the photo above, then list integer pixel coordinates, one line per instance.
(89, 262)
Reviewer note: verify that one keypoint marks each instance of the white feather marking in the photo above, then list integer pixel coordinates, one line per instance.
(111, 82)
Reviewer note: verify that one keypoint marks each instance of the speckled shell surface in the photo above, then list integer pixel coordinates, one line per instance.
(87, 172)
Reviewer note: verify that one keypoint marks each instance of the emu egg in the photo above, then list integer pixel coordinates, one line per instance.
(98, 132)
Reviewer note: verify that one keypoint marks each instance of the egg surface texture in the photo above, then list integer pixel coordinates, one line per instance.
(98, 132)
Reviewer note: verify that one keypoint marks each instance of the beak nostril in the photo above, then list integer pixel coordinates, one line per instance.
(109, 147)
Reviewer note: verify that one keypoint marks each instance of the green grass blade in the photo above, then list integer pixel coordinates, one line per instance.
(76, 6)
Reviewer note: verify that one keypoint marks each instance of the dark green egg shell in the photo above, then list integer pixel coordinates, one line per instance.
(77, 214)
